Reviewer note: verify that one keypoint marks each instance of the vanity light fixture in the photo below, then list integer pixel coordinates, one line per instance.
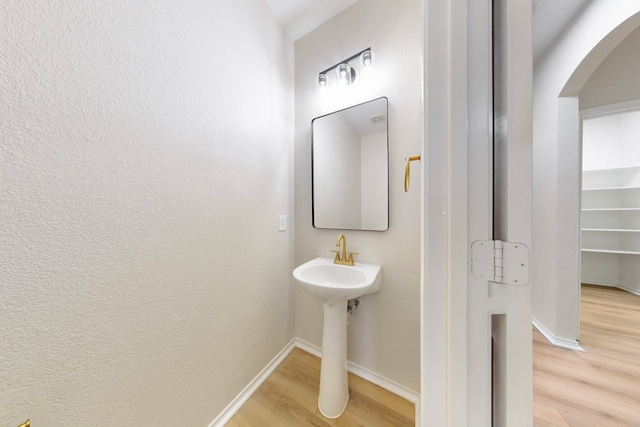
(345, 72)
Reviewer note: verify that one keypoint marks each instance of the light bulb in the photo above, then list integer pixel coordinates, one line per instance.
(346, 74)
(366, 58)
(322, 79)
(343, 71)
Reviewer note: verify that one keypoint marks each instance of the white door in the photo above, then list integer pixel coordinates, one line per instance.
(476, 334)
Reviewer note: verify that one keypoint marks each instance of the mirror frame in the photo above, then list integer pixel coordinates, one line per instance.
(314, 179)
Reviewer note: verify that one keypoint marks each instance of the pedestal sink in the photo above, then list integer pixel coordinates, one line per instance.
(334, 285)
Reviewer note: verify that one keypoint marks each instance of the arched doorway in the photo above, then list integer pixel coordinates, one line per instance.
(558, 78)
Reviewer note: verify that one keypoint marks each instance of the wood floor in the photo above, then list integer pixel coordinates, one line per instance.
(596, 388)
(289, 398)
(600, 387)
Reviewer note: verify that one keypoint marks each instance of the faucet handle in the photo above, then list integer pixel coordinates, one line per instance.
(337, 258)
(351, 254)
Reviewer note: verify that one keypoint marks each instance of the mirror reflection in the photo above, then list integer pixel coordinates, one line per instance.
(350, 168)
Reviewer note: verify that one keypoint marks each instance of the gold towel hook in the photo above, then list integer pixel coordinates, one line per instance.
(407, 170)
(25, 424)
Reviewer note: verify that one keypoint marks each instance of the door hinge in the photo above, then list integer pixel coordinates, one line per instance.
(500, 262)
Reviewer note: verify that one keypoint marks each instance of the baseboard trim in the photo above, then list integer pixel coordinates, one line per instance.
(309, 348)
(630, 290)
(355, 369)
(245, 394)
(608, 285)
(558, 342)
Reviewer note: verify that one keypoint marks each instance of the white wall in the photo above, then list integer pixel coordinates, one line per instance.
(384, 334)
(629, 274)
(146, 151)
(611, 141)
(559, 76)
(616, 79)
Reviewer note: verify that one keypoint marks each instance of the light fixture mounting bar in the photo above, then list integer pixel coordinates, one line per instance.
(345, 61)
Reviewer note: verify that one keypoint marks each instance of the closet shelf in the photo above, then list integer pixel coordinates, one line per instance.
(610, 188)
(614, 230)
(610, 251)
(610, 221)
(609, 209)
(617, 169)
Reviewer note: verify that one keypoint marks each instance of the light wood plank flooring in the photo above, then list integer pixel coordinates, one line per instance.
(600, 387)
(597, 388)
(289, 398)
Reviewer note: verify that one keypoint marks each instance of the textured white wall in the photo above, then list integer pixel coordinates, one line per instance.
(611, 141)
(384, 334)
(559, 76)
(616, 79)
(146, 151)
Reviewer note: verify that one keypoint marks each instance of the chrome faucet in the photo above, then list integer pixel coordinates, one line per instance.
(341, 256)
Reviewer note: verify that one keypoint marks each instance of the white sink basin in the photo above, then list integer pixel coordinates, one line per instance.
(333, 283)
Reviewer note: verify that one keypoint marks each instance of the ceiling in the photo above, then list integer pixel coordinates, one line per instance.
(302, 16)
(299, 17)
(550, 18)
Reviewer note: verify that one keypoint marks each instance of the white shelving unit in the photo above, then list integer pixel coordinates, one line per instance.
(610, 224)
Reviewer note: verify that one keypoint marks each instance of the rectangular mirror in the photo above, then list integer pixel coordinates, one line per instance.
(350, 168)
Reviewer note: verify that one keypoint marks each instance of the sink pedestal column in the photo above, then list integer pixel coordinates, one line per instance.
(334, 386)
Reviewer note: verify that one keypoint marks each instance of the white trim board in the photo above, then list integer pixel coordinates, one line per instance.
(355, 369)
(609, 285)
(557, 341)
(630, 290)
(603, 110)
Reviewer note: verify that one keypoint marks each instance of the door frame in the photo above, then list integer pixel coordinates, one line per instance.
(457, 210)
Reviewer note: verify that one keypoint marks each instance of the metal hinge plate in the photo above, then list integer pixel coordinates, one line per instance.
(500, 262)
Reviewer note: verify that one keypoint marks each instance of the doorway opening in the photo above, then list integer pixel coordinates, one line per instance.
(610, 197)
